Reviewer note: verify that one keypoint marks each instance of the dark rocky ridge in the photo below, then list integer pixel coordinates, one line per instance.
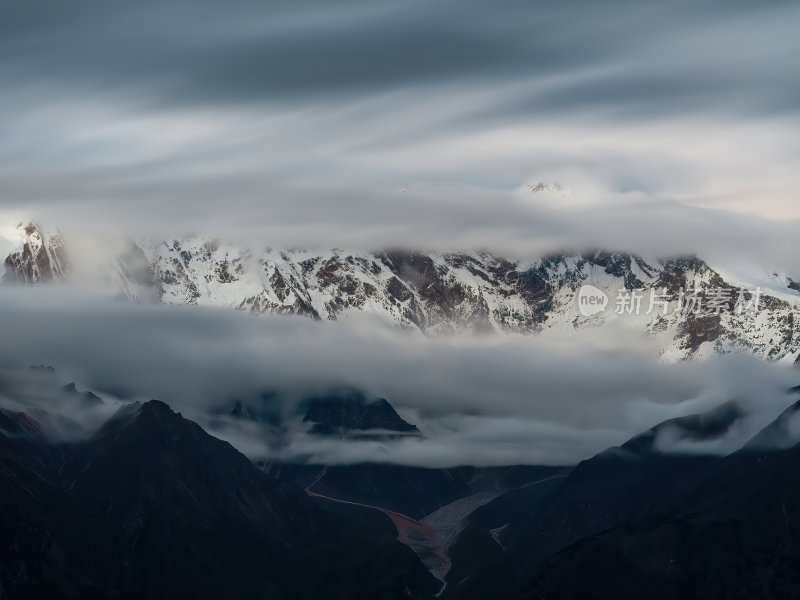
(152, 507)
(633, 518)
(350, 413)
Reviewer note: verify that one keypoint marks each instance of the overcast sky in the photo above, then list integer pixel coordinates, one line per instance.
(672, 126)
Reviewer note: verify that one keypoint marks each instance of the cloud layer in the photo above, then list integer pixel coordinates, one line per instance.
(500, 401)
(411, 123)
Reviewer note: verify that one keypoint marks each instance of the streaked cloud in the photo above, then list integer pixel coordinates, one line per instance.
(410, 123)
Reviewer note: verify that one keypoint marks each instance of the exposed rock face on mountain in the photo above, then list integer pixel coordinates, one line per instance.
(441, 293)
(40, 257)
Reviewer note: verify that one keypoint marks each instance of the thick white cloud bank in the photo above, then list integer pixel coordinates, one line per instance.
(531, 400)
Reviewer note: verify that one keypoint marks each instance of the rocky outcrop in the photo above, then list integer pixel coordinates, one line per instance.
(350, 414)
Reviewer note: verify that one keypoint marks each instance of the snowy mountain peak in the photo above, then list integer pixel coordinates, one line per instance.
(446, 293)
(551, 188)
(39, 256)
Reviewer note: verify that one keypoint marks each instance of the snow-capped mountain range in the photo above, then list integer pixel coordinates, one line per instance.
(443, 293)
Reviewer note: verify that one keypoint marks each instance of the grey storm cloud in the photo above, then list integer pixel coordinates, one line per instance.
(408, 123)
(202, 52)
(477, 401)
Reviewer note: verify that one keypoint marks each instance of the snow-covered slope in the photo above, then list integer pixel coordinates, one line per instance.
(441, 293)
(38, 256)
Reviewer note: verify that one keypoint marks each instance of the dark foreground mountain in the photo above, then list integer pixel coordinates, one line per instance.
(733, 535)
(350, 413)
(153, 507)
(633, 521)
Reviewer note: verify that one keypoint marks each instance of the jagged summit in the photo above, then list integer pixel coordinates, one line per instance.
(701, 427)
(438, 293)
(40, 256)
(87, 398)
(351, 413)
